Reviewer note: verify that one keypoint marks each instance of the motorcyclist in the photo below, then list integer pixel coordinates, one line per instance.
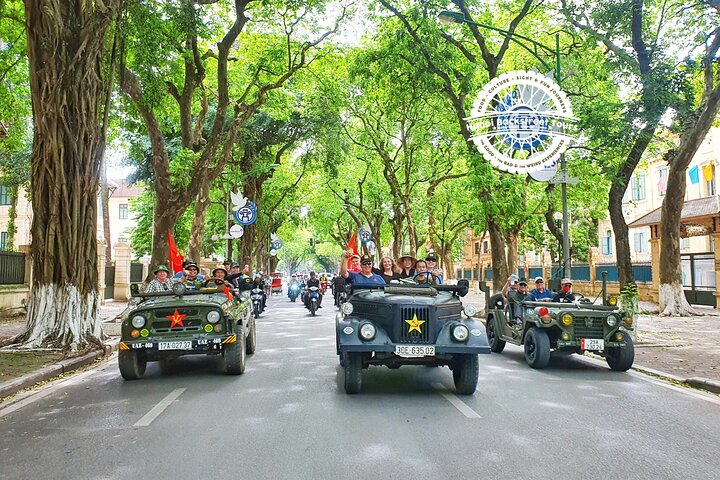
(293, 286)
(259, 282)
(313, 281)
(338, 286)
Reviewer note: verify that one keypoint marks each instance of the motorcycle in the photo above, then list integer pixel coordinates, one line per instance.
(341, 298)
(256, 295)
(293, 291)
(313, 299)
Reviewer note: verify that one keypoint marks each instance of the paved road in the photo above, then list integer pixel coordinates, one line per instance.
(287, 418)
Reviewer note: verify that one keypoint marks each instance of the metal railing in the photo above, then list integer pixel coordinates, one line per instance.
(12, 268)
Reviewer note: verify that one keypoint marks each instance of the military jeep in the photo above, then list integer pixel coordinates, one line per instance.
(395, 325)
(165, 325)
(574, 327)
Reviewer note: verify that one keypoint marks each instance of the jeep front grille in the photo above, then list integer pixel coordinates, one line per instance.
(582, 330)
(191, 321)
(422, 314)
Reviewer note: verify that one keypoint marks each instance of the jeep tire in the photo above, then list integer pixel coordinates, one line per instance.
(496, 345)
(353, 372)
(251, 342)
(132, 364)
(537, 348)
(465, 373)
(620, 359)
(234, 353)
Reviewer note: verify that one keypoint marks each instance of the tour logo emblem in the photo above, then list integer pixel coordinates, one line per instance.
(520, 122)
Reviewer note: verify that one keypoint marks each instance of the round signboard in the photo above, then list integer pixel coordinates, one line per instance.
(236, 231)
(247, 214)
(276, 244)
(365, 236)
(544, 175)
(273, 252)
(520, 122)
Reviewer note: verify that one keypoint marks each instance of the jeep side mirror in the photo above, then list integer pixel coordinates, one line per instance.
(134, 289)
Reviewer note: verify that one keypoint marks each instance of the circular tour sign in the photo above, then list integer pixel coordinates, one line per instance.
(520, 122)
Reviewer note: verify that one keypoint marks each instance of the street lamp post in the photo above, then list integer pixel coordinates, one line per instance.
(449, 17)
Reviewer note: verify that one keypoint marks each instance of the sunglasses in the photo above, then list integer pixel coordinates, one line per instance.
(365, 263)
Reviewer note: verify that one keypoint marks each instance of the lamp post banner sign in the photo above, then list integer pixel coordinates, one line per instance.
(520, 122)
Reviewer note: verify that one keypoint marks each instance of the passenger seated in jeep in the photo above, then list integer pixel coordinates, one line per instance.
(516, 291)
(565, 295)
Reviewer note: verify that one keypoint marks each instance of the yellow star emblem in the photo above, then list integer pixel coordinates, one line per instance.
(414, 324)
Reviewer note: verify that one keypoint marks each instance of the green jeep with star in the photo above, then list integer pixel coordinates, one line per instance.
(409, 324)
(163, 326)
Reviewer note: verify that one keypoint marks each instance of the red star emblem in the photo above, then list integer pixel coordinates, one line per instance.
(176, 319)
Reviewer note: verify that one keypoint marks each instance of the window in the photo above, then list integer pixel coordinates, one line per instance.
(662, 181)
(123, 211)
(684, 244)
(640, 242)
(607, 243)
(4, 195)
(477, 248)
(3, 240)
(486, 246)
(637, 185)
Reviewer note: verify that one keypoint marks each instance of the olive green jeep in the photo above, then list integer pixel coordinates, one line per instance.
(165, 325)
(574, 327)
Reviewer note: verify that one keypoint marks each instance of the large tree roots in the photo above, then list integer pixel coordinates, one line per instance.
(673, 302)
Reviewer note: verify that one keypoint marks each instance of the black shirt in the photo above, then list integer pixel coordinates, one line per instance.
(387, 278)
(313, 282)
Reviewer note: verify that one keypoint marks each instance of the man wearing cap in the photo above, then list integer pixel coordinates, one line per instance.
(565, 294)
(540, 293)
(431, 262)
(365, 276)
(407, 266)
(162, 281)
(516, 291)
(191, 276)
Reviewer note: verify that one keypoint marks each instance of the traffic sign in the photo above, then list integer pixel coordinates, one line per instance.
(236, 231)
(563, 177)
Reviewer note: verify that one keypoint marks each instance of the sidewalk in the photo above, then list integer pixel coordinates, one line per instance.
(10, 327)
(685, 349)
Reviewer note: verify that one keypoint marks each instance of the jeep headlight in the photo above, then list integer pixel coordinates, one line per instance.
(470, 310)
(460, 332)
(213, 316)
(612, 320)
(347, 308)
(567, 319)
(367, 331)
(138, 321)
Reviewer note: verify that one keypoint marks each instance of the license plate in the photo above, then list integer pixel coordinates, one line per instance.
(415, 350)
(185, 345)
(592, 344)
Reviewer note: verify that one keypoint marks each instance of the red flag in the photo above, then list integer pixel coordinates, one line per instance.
(176, 257)
(352, 246)
(227, 293)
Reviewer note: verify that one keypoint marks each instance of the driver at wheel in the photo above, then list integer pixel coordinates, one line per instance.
(565, 295)
(365, 276)
(218, 279)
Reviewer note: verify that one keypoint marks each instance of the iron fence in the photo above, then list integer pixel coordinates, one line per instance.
(12, 268)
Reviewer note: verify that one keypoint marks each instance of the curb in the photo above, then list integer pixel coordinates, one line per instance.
(11, 387)
(704, 383)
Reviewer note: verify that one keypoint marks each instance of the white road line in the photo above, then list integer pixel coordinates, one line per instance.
(455, 401)
(159, 408)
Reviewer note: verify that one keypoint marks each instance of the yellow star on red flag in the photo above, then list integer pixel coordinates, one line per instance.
(414, 324)
(176, 318)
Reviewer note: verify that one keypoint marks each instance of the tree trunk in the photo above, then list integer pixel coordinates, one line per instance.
(166, 215)
(65, 54)
(499, 259)
(512, 249)
(202, 203)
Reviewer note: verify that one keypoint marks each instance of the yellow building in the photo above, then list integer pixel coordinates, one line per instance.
(121, 219)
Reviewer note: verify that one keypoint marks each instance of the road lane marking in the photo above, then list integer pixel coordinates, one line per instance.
(456, 402)
(159, 408)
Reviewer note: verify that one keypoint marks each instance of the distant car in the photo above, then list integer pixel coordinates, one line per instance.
(395, 325)
(165, 325)
(574, 327)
